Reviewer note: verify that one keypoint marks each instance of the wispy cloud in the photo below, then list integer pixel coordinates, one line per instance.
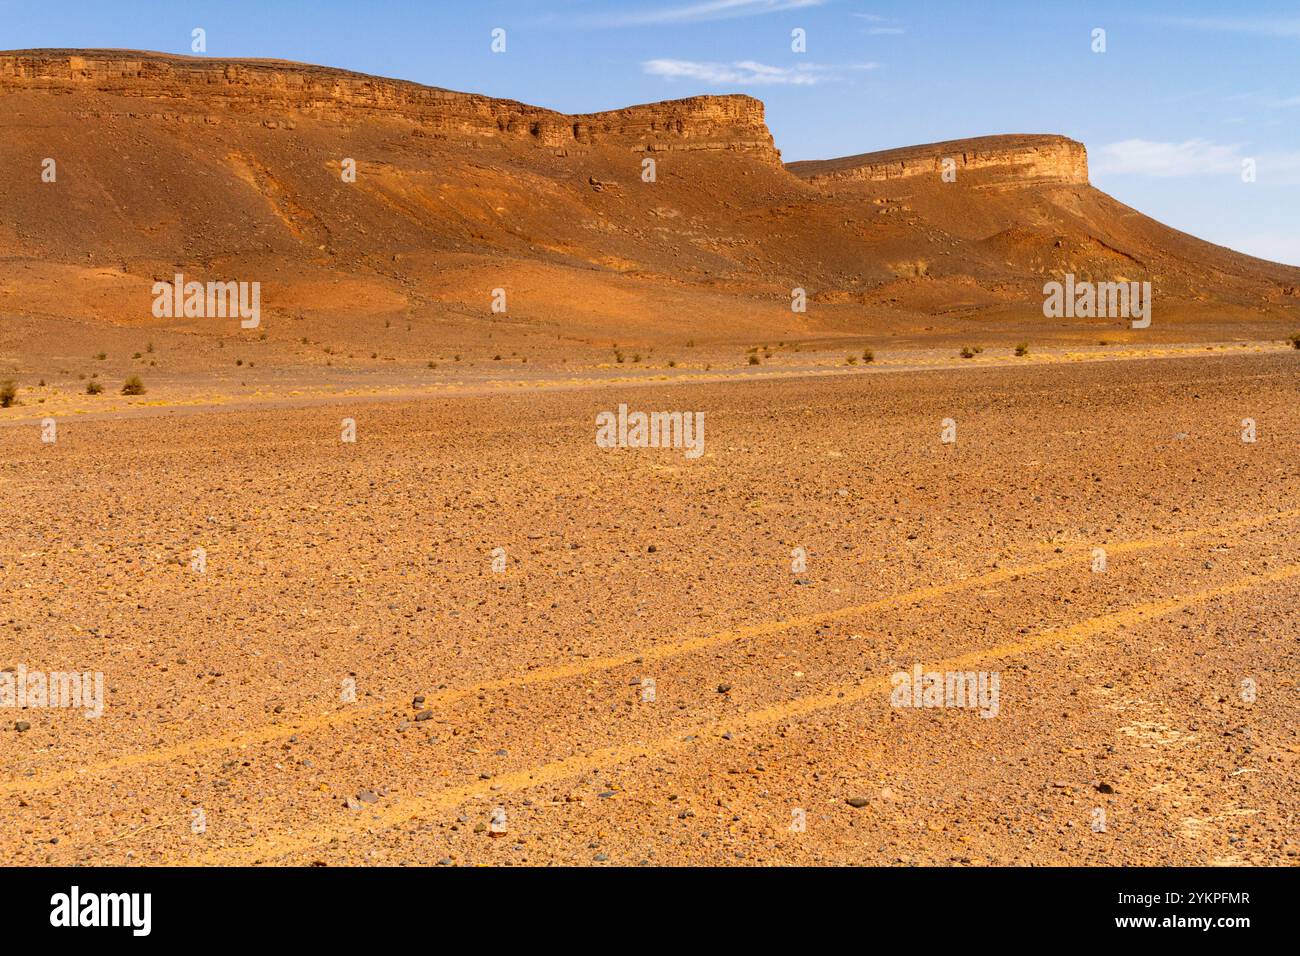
(751, 72)
(1260, 26)
(1142, 157)
(879, 29)
(1193, 157)
(698, 12)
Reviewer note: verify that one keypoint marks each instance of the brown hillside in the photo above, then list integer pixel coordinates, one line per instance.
(230, 169)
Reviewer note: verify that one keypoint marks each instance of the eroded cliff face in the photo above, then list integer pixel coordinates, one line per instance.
(1002, 160)
(278, 89)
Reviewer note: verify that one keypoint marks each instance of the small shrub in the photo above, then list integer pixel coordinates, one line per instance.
(133, 386)
(852, 360)
(618, 357)
(8, 394)
(93, 387)
(1295, 341)
(753, 360)
(967, 352)
(1022, 348)
(868, 355)
(101, 355)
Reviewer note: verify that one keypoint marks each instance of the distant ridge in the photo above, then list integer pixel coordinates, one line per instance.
(1025, 158)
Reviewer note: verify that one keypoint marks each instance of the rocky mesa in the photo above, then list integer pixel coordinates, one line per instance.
(284, 87)
(1012, 160)
(359, 201)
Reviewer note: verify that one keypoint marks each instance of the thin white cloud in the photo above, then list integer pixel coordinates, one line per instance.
(750, 72)
(1288, 28)
(1193, 157)
(877, 31)
(1141, 157)
(699, 12)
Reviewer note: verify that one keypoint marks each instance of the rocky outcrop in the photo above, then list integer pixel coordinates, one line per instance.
(1009, 160)
(282, 87)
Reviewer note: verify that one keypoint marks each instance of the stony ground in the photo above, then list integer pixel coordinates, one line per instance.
(651, 679)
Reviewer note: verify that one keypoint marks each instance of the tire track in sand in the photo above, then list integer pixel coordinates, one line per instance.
(278, 731)
(579, 764)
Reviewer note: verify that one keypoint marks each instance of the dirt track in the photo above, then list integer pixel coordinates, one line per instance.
(1120, 691)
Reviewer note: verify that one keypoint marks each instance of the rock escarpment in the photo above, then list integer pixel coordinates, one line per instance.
(1009, 160)
(279, 88)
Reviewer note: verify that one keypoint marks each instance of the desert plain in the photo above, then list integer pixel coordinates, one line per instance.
(364, 588)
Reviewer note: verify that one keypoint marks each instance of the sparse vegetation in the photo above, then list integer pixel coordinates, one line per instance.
(618, 356)
(133, 386)
(93, 387)
(8, 394)
(1022, 348)
(967, 352)
(754, 360)
(868, 355)
(852, 360)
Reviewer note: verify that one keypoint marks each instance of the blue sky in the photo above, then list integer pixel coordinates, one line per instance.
(1182, 94)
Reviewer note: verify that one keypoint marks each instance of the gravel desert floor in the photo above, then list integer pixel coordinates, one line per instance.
(475, 636)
